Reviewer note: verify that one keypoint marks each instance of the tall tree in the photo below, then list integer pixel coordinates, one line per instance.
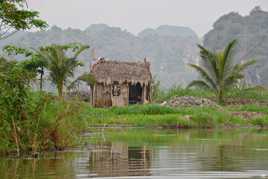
(60, 65)
(218, 71)
(33, 61)
(14, 16)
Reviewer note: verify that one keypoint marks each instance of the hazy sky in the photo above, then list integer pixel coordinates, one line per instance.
(136, 15)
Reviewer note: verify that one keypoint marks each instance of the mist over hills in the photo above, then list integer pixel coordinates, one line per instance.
(168, 48)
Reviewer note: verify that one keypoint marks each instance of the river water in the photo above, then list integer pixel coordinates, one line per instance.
(152, 154)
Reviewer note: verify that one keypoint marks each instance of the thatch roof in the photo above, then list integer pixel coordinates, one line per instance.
(107, 72)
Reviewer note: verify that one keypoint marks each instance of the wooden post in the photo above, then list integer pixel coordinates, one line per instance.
(143, 94)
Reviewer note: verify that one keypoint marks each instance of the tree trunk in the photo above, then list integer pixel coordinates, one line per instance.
(60, 89)
(41, 79)
(16, 138)
(220, 97)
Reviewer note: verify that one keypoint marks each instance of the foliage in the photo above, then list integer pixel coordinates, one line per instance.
(14, 81)
(155, 89)
(183, 117)
(252, 36)
(59, 64)
(54, 58)
(176, 91)
(15, 16)
(33, 63)
(33, 121)
(256, 93)
(217, 70)
(88, 78)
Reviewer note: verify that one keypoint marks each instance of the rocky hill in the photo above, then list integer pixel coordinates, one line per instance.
(169, 48)
(252, 33)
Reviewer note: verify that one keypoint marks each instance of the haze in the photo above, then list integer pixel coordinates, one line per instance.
(136, 15)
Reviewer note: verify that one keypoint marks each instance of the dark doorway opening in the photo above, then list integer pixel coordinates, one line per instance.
(135, 94)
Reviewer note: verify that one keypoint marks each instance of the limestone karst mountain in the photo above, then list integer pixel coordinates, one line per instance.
(251, 31)
(168, 48)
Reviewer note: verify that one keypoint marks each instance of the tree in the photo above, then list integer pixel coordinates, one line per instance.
(15, 16)
(218, 71)
(59, 64)
(88, 78)
(14, 83)
(33, 62)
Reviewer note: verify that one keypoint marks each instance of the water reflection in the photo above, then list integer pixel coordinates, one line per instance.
(149, 154)
(118, 159)
(51, 167)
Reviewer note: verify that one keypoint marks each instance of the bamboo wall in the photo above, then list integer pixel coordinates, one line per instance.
(103, 95)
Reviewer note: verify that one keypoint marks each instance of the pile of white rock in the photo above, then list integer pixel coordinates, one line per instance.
(188, 101)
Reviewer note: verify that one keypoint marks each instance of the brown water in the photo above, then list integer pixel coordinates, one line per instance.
(139, 153)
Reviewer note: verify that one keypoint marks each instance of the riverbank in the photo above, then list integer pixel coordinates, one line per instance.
(49, 123)
(243, 108)
(45, 123)
(155, 115)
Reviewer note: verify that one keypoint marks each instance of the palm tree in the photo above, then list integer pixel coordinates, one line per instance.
(59, 64)
(218, 71)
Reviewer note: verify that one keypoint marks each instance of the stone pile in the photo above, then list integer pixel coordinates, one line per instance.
(188, 101)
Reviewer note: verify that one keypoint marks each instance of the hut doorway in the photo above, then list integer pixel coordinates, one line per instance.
(135, 94)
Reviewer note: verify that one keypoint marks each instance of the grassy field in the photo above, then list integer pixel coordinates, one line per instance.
(244, 108)
(154, 115)
(257, 93)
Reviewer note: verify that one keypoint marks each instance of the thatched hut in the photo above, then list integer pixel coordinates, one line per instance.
(120, 83)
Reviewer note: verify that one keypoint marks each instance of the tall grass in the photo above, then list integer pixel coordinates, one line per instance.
(48, 124)
(164, 95)
(161, 116)
(256, 93)
(143, 109)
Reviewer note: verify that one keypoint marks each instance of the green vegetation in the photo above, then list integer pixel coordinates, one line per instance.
(164, 95)
(251, 45)
(184, 117)
(255, 94)
(15, 16)
(37, 121)
(54, 59)
(218, 72)
(33, 121)
(60, 66)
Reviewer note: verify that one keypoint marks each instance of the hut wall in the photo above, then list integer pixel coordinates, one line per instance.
(102, 95)
(122, 99)
(148, 93)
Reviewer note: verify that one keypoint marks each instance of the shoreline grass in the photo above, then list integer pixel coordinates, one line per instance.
(54, 124)
(154, 115)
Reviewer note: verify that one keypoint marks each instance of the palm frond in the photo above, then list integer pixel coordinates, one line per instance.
(209, 60)
(200, 84)
(82, 48)
(204, 75)
(243, 66)
(229, 49)
(228, 58)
